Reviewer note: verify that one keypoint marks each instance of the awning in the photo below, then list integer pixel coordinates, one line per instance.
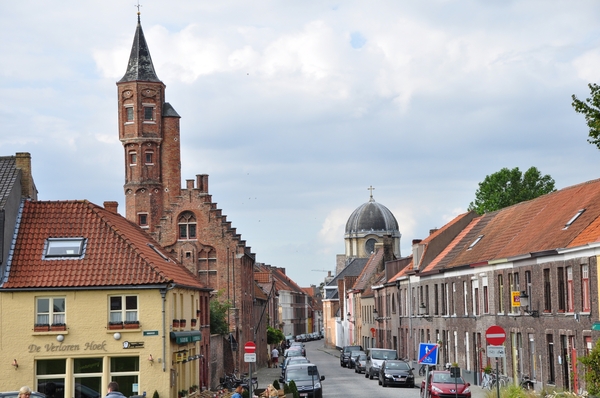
(186, 337)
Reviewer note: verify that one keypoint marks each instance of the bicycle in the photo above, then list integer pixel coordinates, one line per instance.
(526, 383)
(423, 369)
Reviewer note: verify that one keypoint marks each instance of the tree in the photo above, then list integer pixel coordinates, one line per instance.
(274, 336)
(508, 187)
(219, 315)
(592, 373)
(590, 108)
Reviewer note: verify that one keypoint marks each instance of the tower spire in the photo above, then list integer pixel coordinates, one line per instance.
(140, 66)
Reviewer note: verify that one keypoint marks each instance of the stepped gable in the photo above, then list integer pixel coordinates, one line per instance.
(117, 252)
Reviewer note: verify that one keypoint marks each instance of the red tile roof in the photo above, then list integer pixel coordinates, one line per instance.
(118, 252)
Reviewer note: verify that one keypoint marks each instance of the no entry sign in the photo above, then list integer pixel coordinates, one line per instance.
(250, 347)
(495, 335)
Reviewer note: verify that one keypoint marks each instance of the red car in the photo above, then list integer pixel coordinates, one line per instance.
(442, 385)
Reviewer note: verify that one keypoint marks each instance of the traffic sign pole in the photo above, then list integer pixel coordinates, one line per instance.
(250, 348)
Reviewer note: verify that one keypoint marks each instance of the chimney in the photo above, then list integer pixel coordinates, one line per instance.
(432, 231)
(202, 182)
(189, 184)
(23, 163)
(111, 206)
(417, 250)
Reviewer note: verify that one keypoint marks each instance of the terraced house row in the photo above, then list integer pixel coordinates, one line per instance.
(530, 268)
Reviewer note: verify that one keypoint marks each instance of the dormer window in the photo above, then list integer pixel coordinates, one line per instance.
(572, 220)
(64, 247)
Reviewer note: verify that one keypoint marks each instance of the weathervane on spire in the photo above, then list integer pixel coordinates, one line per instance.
(371, 189)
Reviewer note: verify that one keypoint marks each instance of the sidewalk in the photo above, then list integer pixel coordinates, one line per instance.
(266, 375)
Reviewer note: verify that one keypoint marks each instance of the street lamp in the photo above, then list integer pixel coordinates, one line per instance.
(524, 301)
(423, 313)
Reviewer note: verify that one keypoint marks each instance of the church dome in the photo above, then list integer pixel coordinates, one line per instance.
(372, 217)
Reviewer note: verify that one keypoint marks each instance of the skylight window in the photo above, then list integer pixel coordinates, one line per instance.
(476, 241)
(572, 220)
(64, 247)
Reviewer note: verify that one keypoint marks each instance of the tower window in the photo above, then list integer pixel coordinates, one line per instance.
(148, 113)
(143, 219)
(129, 113)
(149, 157)
(187, 226)
(132, 158)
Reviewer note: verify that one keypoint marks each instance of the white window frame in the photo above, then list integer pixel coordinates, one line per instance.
(52, 316)
(73, 247)
(123, 314)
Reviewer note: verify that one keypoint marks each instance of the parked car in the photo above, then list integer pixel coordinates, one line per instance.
(442, 384)
(307, 379)
(375, 357)
(293, 351)
(15, 394)
(291, 361)
(396, 372)
(345, 354)
(300, 346)
(353, 356)
(360, 365)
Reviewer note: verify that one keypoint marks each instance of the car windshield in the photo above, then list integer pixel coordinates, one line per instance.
(301, 374)
(362, 357)
(444, 378)
(387, 354)
(397, 365)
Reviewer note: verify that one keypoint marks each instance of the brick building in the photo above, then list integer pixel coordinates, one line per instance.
(184, 220)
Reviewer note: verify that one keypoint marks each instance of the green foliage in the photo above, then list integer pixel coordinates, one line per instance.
(286, 389)
(294, 389)
(508, 187)
(245, 393)
(592, 370)
(276, 385)
(590, 108)
(155, 395)
(219, 315)
(274, 336)
(511, 391)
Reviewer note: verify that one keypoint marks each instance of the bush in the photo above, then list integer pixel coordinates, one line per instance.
(294, 389)
(155, 395)
(276, 385)
(512, 391)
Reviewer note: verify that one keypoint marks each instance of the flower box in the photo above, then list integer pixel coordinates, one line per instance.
(132, 324)
(115, 325)
(41, 327)
(182, 323)
(175, 323)
(194, 322)
(58, 327)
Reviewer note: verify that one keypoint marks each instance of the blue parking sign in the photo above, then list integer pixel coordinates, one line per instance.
(428, 353)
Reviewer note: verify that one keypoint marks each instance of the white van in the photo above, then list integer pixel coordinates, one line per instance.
(375, 357)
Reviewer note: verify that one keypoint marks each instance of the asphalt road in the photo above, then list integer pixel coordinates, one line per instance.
(343, 382)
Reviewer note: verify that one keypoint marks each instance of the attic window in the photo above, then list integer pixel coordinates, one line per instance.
(158, 252)
(572, 220)
(476, 241)
(64, 247)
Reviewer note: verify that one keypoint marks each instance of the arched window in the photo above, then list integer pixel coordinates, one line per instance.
(187, 226)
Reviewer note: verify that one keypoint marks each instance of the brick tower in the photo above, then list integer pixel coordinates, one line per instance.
(149, 131)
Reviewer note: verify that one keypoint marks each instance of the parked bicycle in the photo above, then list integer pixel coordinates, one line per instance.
(489, 380)
(231, 381)
(526, 382)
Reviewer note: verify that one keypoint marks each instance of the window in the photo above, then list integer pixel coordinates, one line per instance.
(572, 220)
(149, 155)
(50, 374)
(514, 287)
(132, 158)
(50, 311)
(570, 293)
(547, 291)
(123, 308)
(143, 219)
(585, 288)
(476, 241)
(465, 299)
(148, 113)
(187, 226)
(453, 298)
(129, 113)
(126, 372)
(64, 247)
(500, 294)
(560, 273)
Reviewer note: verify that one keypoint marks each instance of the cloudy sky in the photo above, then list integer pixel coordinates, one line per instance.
(294, 108)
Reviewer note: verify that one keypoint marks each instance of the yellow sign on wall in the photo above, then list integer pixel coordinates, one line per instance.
(516, 299)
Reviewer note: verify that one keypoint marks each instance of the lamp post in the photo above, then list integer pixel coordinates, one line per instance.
(524, 301)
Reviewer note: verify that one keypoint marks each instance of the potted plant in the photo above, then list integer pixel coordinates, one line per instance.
(41, 327)
(114, 325)
(182, 323)
(194, 321)
(58, 327)
(132, 324)
(175, 323)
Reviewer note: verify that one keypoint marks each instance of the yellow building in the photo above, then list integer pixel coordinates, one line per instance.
(88, 298)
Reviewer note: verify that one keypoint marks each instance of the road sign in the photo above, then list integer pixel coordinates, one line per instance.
(428, 354)
(249, 357)
(494, 351)
(250, 348)
(495, 335)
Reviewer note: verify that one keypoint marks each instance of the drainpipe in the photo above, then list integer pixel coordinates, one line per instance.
(163, 295)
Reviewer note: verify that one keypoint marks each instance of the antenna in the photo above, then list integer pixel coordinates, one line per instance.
(320, 270)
